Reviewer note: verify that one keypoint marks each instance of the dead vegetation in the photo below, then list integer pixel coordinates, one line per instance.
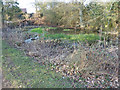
(97, 65)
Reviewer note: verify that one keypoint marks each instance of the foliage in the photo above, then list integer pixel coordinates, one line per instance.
(76, 59)
(93, 16)
(11, 11)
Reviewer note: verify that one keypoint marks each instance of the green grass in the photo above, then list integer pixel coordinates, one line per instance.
(78, 37)
(67, 30)
(21, 70)
(85, 37)
(37, 30)
(57, 36)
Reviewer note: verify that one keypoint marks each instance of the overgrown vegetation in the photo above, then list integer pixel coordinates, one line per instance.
(21, 71)
(77, 37)
(75, 14)
(71, 59)
(77, 41)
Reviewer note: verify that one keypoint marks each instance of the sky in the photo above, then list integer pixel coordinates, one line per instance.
(27, 4)
(31, 9)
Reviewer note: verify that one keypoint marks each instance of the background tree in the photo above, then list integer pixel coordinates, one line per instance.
(76, 14)
(1, 13)
(11, 11)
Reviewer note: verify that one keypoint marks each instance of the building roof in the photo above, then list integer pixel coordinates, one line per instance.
(24, 10)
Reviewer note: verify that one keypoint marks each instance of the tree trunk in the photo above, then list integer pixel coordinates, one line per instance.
(81, 14)
(1, 14)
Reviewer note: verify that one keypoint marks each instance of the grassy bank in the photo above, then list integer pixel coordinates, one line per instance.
(21, 71)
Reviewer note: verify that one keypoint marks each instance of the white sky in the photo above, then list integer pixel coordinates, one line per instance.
(30, 8)
(27, 4)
